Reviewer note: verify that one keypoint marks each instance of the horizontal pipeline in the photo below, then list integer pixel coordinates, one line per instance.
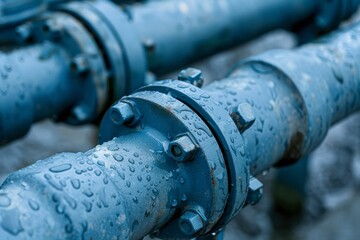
(72, 64)
(179, 161)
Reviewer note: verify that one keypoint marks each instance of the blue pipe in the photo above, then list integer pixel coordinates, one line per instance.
(116, 48)
(179, 161)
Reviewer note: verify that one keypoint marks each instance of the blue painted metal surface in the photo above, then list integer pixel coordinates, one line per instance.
(115, 50)
(71, 83)
(201, 28)
(172, 160)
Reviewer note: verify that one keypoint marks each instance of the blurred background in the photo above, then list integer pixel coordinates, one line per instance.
(317, 199)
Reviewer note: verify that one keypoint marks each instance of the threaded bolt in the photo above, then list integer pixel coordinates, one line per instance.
(243, 116)
(121, 113)
(182, 148)
(192, 76)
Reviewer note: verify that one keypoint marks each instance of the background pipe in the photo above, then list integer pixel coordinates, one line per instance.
(178, 32)
(180, 161)
(64, 76)
(110, 54)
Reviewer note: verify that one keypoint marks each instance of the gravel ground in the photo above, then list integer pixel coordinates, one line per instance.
(330, 202)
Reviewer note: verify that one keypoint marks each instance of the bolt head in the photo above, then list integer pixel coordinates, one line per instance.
(24, 32)
(121, 113)
(192, 76)
(79, 65)
(182, 149)
(149, 44)
(190, 223)
(255, 191)
(243, 116)
(80, 114)
(52, 29)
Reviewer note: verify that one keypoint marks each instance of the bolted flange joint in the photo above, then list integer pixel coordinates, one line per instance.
(122, 113)
(243, 116)
(192, 221)
(182, 148)
(192, 76)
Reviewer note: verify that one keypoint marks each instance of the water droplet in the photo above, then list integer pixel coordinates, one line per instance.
(60, 168)
(60, 208)
(88, 193)
(75, 183)
(113, 148)
(106, 180)
(174, 203)
(118, 157)
(121, 174)
(203, 128)
(134, 226)
(101, 163)
(34, 205)
(184, 198)
(87, 205)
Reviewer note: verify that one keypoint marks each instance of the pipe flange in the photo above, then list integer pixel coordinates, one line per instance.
(226, 133)
(202, 169)
(121, 46)
(86, 65)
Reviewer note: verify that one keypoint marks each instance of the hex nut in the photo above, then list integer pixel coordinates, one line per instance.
(190, 223)
(243, 116)
(192, 76)
(80, 114)
(182, 148)
(122, 113)
(79, 65)
(255, 192)
(52, 30)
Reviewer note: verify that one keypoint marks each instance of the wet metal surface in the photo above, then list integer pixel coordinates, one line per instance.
(143, 149)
